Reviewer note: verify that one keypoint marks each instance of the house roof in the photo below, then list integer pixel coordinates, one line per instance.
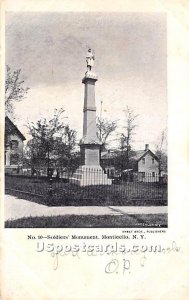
(137, 156)
(12, 128)
(142, 153)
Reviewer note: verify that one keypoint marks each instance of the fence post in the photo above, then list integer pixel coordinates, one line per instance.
(50, 189)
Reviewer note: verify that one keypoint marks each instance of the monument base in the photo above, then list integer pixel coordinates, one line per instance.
(90, 175)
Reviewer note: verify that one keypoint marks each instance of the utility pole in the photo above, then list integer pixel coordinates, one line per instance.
(100, 119)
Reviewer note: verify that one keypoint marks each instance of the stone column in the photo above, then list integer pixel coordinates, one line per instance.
(90, 144)
(90, 172)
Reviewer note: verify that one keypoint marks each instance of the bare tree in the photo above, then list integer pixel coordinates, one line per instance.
(161, 151)
(126, 138)
(104, 129)
(14, 90)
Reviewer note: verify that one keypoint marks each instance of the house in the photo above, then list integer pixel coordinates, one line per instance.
(146, 165)
(143, 165)
(14, 143)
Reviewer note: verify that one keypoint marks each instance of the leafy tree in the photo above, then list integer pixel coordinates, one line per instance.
(104, 129)
(52, 144)
(64, 151)
(14, 90)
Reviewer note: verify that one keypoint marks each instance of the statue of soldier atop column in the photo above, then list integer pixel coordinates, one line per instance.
(90, 60)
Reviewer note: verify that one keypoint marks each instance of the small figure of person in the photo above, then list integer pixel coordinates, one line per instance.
(90, 60)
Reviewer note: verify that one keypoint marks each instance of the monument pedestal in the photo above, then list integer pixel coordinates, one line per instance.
(90, 172)
(90, 175)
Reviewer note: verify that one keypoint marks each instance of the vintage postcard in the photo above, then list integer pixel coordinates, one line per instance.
(94, 150)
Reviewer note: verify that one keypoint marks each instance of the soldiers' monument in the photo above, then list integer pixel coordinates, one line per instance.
(90, 172)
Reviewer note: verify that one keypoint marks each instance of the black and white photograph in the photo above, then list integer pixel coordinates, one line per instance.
(94, 150)
(85, 140)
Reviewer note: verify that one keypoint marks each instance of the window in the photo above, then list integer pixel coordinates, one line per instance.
(143, 161)
(14, 159)
(152, 160)
(153, 174)
(14, 145)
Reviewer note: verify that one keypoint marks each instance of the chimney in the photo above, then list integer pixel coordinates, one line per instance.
(146, 147)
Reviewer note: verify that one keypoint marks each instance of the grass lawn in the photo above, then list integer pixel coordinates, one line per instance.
(91, 221)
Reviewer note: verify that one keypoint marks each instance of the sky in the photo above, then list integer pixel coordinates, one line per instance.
(130, 62)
